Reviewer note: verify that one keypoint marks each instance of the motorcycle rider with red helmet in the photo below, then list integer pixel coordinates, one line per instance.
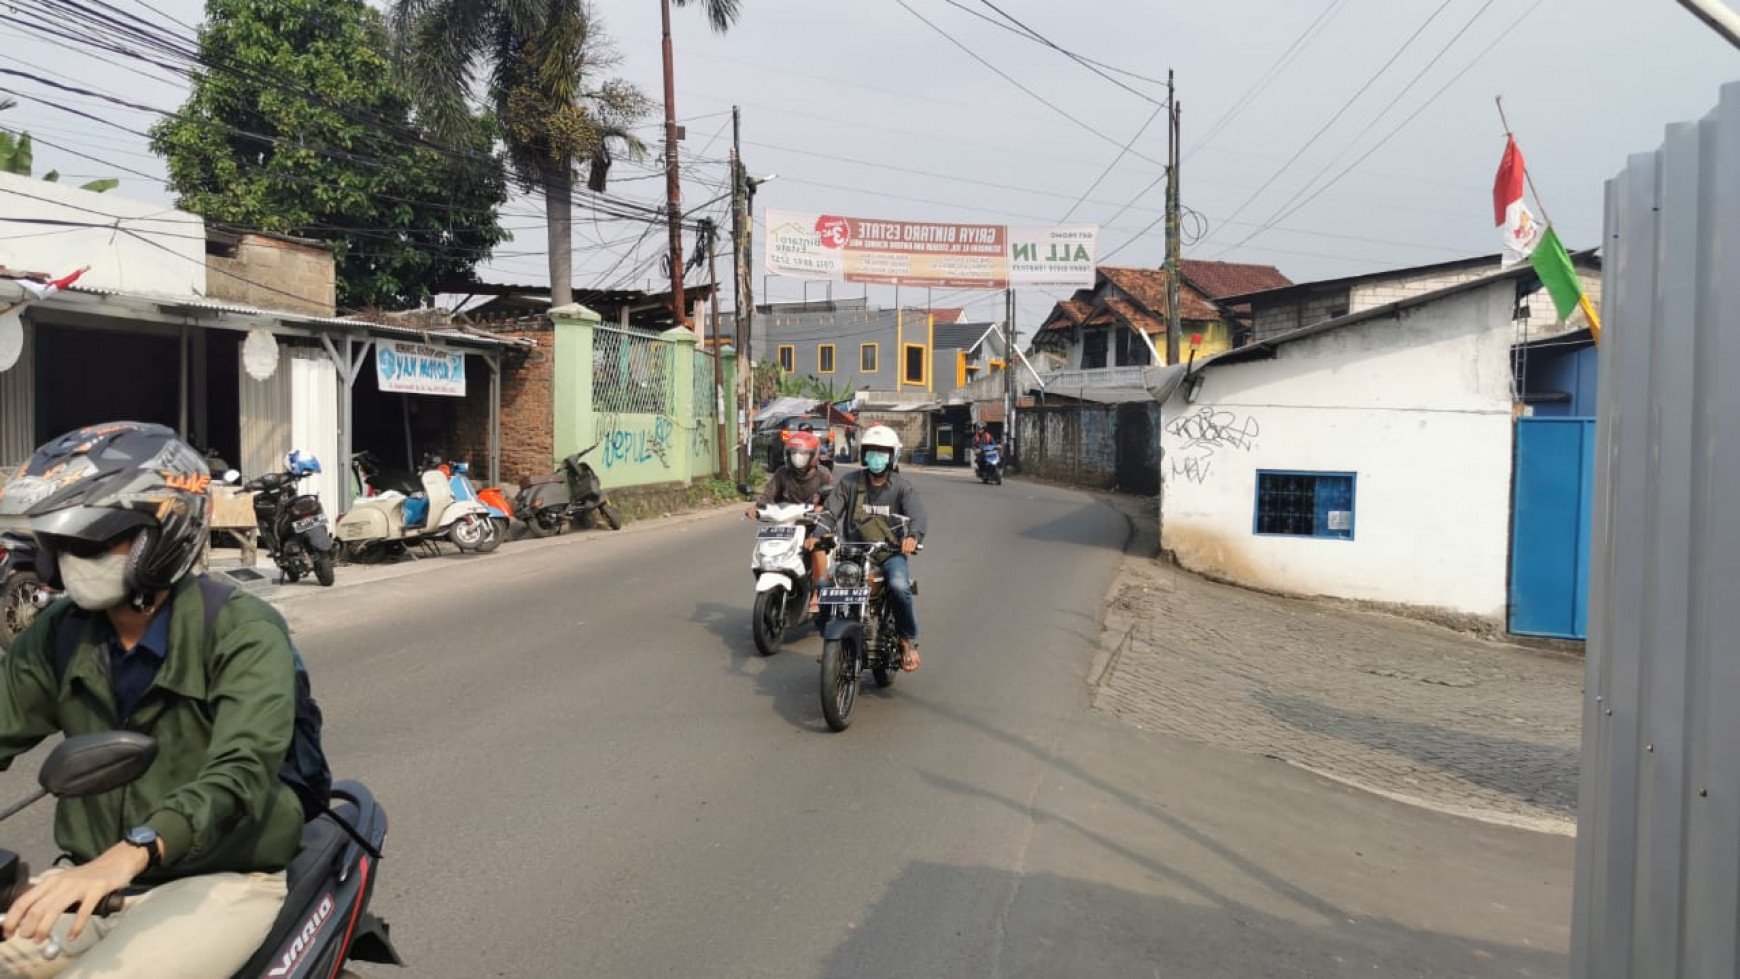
(801, 480)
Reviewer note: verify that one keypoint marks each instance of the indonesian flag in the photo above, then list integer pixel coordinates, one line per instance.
(1520, 229)
(42, 290)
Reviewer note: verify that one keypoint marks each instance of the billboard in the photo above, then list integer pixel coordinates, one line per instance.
(807, 245)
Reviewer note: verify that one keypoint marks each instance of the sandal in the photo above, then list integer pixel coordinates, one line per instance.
(815, 606)
(909, 658)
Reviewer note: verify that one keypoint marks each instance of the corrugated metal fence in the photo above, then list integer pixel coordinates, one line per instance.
(1658, 849)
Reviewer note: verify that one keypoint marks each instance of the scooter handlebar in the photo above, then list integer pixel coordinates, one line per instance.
(107, 906)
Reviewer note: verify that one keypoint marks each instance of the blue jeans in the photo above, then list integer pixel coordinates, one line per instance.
(898, 580)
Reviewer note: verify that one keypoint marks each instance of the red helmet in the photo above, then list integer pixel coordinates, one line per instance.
(801, 449)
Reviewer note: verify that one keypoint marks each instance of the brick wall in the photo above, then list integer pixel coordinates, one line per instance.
(528, 420)
(272, 273)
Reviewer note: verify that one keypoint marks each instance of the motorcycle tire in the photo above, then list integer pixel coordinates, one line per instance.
(885, 676)
(998, 479)
(17, 607)
(770, 622)
(323, 571)
(839, 682)
(611, 517)
(587, 520)
(468, 532)
(544, 523)
(497, 533)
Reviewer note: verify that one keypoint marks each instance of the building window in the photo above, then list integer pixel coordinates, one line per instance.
(912, 367)
(1305, 504)
(1093, 350)
(1132, 349)
(867, 358)
(825, 358)
(787, 358)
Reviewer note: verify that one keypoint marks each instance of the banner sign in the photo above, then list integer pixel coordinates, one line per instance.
(414, 368)
(804, 245)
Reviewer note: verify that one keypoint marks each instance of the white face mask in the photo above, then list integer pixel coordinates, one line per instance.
(95, 583)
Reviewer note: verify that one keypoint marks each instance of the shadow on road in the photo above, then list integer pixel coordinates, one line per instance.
(1043, 924)
(1541, 774)
(1084, 526)
(789, 679)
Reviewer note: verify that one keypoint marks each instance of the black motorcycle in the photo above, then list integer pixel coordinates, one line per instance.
(22, 592)
(548, 502)
(858, 629)
(293, 527)
(325, 921)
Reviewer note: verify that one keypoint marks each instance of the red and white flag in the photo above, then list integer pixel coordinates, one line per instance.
(1520, 229)
(42, 290)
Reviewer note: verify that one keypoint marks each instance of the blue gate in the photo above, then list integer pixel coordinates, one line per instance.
(1549, 542)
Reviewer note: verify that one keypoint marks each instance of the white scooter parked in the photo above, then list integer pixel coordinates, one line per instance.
(781, 566)
(385, 524)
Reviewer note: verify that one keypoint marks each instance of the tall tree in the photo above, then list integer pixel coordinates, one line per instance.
(543, 61)
(296, 126)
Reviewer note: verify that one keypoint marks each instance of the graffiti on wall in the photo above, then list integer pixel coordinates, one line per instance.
(1203, 434)
(634, 441)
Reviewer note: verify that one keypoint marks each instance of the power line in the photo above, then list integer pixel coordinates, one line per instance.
(1022, 30)
(1268, 77)
(1113, 165)
(1078, 59)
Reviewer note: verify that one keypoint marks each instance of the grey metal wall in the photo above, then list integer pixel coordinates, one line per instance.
(1658, 849)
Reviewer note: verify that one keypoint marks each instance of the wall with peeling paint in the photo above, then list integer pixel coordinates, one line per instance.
(1417, 407)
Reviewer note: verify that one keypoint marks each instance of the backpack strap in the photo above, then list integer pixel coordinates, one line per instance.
(70, 627)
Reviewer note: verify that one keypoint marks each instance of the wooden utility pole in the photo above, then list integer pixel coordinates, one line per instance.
(1173, 234)
(673, 186)
(744, 301)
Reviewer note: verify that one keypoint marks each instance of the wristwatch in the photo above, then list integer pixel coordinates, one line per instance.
(146, 838)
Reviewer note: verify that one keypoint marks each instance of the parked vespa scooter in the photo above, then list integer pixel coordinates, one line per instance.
(547, 503)
(22, 592)
(385, 524)
(496, 528)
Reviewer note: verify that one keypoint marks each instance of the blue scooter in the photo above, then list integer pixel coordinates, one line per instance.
(459, 474)
(990, 464)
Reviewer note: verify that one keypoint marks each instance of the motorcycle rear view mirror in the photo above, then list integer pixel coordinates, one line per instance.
(88, 764)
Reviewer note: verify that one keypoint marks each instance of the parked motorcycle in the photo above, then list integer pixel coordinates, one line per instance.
(325, 921)
(781, 566)
(572, 494)
(496, 529)
(22, 592)
(385, 524)
(370, 478)
(989, 465)
(858, 628)
(293, 525)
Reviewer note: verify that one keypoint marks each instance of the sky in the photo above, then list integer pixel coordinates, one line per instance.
(1324, 137)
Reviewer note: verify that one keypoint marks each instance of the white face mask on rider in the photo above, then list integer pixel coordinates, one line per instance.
(95, 583)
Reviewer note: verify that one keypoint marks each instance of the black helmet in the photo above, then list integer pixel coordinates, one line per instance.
(88, 488)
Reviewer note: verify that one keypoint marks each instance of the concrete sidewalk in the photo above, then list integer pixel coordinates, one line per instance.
(1408, 710)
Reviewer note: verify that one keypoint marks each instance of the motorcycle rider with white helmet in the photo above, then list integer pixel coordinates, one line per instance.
(860, 503)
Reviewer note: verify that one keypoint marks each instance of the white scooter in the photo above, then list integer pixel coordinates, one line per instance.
(781, 566)
(384, 525)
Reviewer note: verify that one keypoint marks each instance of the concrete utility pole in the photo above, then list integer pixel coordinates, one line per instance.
(1172, 229)
(742, 262)
(1009, 372)
(718, 333)
(673, 186)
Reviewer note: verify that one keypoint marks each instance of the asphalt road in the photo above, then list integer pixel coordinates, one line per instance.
(590, 772)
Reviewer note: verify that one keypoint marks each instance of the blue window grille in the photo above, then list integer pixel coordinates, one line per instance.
(1305, 504)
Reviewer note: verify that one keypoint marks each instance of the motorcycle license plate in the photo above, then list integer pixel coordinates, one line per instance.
(844, 596)
(306, 524)
(777, 532)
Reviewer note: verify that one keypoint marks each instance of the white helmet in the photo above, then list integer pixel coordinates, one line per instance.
(880, 437)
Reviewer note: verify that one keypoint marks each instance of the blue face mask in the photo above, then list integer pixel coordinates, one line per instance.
(877, 462)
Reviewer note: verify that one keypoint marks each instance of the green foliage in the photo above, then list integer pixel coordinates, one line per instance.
(302, 130)
(17, 157)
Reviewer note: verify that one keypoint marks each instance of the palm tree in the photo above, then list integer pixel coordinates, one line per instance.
(542, 60)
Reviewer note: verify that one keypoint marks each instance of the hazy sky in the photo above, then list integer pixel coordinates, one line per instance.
(862, 109)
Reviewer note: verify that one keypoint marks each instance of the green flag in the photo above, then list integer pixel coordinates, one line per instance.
(1553, 264)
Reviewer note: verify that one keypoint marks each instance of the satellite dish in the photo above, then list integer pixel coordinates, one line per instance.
(260, 354)
(11, 339)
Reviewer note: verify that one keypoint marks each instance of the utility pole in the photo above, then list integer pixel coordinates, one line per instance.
(673, 186)
(1009, 372)
(744, 301)
(718, 332)
(1172, 228)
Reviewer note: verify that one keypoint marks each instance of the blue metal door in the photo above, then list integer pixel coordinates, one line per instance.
(1549, 544)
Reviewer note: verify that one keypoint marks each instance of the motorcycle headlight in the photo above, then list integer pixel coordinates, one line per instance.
(849, 575)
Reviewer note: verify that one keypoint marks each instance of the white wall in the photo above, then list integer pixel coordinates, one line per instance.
(1418, 408)
(157, 251)
(314, 425)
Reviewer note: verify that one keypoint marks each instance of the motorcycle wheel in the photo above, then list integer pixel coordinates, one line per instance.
(611, 517)
(17, 608)
(496, 532)
(998, 478)
(770, 622)
(323, 571)
(839, 682)
(885, 676)
(544, 523)
(468, 533)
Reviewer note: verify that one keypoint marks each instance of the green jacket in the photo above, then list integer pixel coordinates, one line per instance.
(222, 718)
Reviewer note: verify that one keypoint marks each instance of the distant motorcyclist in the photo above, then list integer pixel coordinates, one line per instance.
(802, 481)
(860, 503)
